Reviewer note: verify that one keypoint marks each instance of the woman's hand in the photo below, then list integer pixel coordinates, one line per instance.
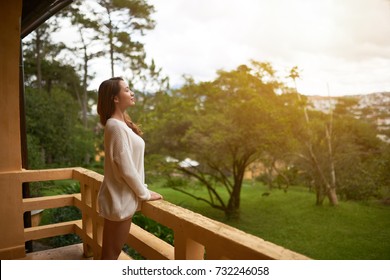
(155, 196)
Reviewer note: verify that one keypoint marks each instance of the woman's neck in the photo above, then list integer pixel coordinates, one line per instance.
(119, 116)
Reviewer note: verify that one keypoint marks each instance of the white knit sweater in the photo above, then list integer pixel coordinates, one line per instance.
(123, 186)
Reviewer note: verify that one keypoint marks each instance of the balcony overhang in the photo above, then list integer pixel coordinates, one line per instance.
(36, 12)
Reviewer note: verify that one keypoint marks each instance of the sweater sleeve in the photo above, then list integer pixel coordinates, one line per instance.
(126, 167)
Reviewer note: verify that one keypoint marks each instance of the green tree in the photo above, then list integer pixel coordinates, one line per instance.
(124, 20)
(40, 56)
(384, 174)
(353, 158)
(223, 125)
(358, 157)
(87, 48)
(55, 80)
(321, 168)
(54, 127)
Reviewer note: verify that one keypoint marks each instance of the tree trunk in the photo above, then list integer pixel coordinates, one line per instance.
(331, 191)
(38, 58)
(232, 211)
(232, 214)
(332, 196)
(111, 40)
(85, 93)
(234, 201)
(319, 200)
(233, 208)
(319, 195)
(279, 173)
(330, 188)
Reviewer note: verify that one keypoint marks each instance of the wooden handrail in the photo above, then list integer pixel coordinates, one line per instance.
(195, 236)
(48, 202)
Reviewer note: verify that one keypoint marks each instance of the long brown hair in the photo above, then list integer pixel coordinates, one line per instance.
(108, 89)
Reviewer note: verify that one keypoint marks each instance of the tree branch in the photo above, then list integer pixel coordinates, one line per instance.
(200, 198)
(205, 182)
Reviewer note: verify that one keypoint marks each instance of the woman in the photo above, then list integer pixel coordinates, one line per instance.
(123, 186)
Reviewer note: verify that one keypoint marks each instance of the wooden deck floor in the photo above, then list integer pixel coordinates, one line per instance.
(71, 252)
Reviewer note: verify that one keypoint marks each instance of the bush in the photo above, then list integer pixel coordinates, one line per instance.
(58, 215)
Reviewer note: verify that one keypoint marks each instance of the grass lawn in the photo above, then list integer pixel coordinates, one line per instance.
(350, 231)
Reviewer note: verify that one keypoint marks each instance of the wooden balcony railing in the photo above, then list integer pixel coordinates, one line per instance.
(195, 236)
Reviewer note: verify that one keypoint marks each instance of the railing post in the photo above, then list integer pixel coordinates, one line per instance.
(187, 249)
(86, 199)
(92, 223)
(97, 221)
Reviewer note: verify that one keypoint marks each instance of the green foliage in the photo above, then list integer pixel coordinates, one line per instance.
(34, 152)
(58, 215)
(383, 167)
(153, 227)
(237, 119)
(55, 132)
(357, 158)
(355, 152)
(176, 182)
(48, 188)
(123, 23)
(224, 125)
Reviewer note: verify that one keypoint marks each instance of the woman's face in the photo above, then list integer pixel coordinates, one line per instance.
(125, 97)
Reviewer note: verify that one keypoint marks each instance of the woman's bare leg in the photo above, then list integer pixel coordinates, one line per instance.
(114, 237)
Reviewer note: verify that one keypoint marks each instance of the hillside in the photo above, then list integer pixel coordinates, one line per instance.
(374, 107)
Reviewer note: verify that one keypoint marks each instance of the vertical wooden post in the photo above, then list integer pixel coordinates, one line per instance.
(96, 220)
(86, 199)
(187, 249)
(11, 210)
(91, 221)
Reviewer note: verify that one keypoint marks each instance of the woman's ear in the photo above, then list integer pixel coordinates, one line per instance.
(116, 99)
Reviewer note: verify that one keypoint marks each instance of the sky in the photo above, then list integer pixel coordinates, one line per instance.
(341, 47)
